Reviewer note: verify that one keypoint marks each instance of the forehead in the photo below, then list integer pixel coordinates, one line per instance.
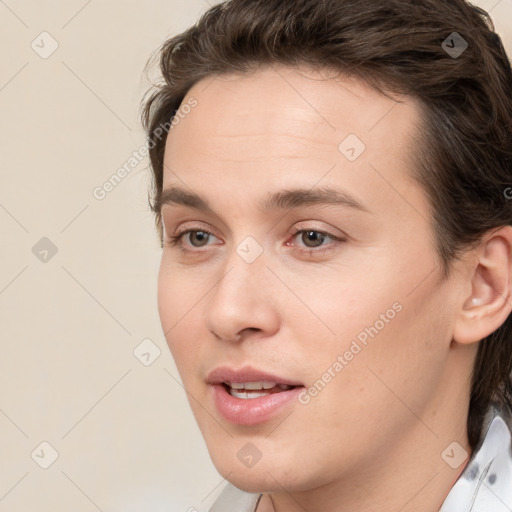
(294, 126)
(316, 96)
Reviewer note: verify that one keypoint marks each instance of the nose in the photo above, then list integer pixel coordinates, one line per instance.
(243, 301)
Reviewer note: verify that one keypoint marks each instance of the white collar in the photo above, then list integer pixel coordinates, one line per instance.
(485, 485)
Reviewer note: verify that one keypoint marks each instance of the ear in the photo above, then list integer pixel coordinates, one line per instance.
(489, 303)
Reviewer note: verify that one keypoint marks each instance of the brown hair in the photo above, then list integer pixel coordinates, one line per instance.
(464, 152)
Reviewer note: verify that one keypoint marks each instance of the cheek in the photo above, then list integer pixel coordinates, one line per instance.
(165, 296)
(376, 323)
(179, 292)
(167, 299)
(177, 307)
(350, 307)
(398, 364)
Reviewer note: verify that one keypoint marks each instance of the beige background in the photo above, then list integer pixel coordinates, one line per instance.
(125, 437)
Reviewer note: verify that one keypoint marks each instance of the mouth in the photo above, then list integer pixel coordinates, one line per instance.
(251, 390)
(249, 396)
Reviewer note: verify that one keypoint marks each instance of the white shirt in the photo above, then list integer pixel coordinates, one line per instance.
(485, 485)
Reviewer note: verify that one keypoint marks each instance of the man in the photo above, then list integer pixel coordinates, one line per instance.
(330, 187)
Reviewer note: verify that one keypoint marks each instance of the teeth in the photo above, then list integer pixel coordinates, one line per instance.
(252, 385)
(241, 394)
(249, 389)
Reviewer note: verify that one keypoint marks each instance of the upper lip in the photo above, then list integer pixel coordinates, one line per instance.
(246, 374)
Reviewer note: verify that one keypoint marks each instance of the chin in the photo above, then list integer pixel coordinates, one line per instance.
(256, 481)
(263, 477)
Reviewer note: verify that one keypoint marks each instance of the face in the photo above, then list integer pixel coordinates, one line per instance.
(270, 283)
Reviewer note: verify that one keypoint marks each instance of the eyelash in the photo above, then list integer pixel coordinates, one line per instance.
(174, 240)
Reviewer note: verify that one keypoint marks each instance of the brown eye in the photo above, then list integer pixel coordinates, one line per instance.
(312, 241)
(314, 237)
(201, 236)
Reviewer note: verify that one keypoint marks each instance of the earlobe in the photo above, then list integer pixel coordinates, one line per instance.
(489, 303)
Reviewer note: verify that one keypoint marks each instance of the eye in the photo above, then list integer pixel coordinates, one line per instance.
(316, 239)
(200, 234)
(313, 240)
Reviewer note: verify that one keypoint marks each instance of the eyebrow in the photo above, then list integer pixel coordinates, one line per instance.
(281, 200)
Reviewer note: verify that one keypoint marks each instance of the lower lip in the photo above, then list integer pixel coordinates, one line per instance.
(251, 411)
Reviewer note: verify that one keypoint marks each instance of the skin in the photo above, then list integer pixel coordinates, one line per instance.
(372, 439)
